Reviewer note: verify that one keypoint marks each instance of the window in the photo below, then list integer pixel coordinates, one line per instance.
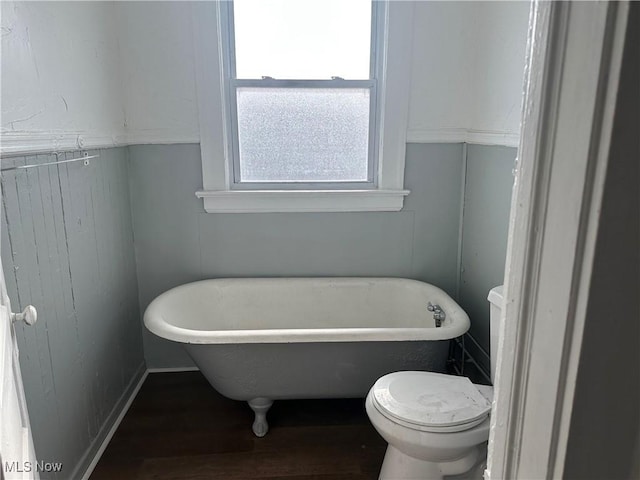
(297, 110)
(301, 88)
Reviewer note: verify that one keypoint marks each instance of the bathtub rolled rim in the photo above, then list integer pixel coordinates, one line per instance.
(156, 323)
(300, 335)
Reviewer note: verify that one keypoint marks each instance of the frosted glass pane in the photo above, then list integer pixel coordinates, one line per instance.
(303, 134)
(302, 39)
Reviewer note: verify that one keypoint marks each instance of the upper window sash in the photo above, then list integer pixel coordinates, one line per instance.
(376, 42)
(231, 84)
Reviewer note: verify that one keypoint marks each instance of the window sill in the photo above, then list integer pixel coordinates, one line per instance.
(272, 201)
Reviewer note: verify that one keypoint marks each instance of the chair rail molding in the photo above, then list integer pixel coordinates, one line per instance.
(29, 142)
(463, 135)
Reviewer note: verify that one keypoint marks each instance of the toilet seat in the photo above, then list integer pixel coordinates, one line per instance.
(430, 402)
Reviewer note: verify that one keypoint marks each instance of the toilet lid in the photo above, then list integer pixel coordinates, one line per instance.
(433, 401)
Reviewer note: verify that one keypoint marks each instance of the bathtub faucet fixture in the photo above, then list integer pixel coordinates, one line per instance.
(438, 313)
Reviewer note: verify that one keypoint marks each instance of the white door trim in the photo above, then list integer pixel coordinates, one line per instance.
(17, 452)
(573, 68)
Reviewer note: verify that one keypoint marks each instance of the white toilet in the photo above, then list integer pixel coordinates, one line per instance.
(436, 425)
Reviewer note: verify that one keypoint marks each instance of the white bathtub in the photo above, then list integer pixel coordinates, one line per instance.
(264, 339)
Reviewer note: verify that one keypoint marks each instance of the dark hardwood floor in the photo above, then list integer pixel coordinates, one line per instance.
(179, 427)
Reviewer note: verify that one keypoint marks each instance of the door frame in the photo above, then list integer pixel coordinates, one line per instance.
(11, 378)
(571, 81)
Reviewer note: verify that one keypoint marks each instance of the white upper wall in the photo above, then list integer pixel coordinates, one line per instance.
(157, 57)
(442, 68)
(468, 70)
(123, 72)
(60, 74)
(498, 77)
(466, 85)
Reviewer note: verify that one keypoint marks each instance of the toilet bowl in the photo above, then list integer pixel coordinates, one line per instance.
(436, 425)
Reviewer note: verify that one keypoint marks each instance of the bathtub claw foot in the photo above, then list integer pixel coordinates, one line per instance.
(260, 407)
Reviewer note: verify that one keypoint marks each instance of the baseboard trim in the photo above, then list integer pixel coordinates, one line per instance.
(123, 411)
(129, 394)
(172, 369)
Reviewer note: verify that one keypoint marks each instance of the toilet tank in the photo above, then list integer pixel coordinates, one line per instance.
(496, 302)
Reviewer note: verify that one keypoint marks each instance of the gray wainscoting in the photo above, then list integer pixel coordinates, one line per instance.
(177, 242)
(67, 248)
(487, 201)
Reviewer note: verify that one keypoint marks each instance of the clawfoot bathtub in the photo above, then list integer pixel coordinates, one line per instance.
(264, 339)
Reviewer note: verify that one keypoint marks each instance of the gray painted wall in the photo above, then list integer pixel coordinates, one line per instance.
(487, 201)
(177, 242)
(67, 248)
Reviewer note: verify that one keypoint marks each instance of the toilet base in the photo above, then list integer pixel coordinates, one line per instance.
(399, 466)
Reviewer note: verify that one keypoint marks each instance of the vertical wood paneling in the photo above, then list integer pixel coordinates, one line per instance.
(67, 248)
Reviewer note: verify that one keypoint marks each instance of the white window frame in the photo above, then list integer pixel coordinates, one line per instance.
(232, 83)
(385, 192)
